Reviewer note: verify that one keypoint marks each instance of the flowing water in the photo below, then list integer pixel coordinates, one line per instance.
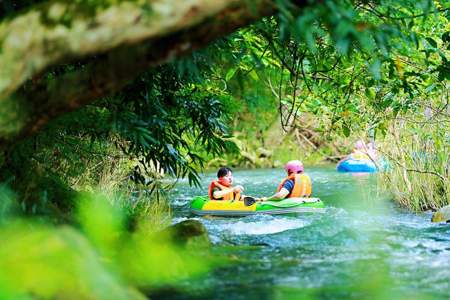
(360, 248)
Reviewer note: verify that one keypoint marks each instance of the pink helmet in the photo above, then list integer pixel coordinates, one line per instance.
(294, 166)
(360, 145)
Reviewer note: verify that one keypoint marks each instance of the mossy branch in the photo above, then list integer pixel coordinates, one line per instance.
(115, 43)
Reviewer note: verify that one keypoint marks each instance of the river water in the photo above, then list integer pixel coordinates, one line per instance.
(362, 247)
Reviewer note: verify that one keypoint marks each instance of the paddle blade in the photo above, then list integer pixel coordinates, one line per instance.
(248, 201)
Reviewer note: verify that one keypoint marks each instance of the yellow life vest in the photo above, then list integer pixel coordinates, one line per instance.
(358, 154)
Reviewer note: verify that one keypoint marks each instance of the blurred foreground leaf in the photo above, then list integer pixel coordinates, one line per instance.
(106, 262)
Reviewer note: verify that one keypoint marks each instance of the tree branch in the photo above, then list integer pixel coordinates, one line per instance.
(117, 45)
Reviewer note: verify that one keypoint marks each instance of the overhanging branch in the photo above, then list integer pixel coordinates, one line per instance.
(117, 61)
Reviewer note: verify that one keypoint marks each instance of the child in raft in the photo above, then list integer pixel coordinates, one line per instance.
(363, 151)
(296, 184)
(223, 189)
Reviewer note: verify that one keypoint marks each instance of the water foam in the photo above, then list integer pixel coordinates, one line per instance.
(260, 226)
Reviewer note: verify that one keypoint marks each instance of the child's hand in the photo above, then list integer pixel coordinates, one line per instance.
(238, 189)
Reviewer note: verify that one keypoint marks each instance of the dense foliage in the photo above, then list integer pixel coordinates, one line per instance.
(347, 65)
(164, 123)
(334, 74)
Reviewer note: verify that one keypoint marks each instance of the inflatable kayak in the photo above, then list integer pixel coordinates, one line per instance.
(203, 206)
(356, 165)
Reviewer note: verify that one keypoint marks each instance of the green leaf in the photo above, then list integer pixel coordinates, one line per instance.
(370, 93)
(431, 42)
(346, 130)
(430, 88)
(375, 69)
(444, 72)
(446, 37)
(253, 75)
(442, 55)
(447, 14)
(387, 102)
(230, 74)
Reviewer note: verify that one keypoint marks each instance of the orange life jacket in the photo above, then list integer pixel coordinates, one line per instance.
(302, 185)
(229, 196)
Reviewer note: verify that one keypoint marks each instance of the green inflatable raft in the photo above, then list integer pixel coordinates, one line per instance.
(201, 205)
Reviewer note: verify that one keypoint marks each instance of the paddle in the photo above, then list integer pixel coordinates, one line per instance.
(248, 200)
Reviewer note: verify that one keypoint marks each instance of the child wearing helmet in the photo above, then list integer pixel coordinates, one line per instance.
(296, 184)
(222, 188)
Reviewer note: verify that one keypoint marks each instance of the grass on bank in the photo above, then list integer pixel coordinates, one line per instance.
(419, 160)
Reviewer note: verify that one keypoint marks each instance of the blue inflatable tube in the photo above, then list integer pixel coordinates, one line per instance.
(356, 165)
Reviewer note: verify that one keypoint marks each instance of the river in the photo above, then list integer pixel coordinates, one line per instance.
(362, 247)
